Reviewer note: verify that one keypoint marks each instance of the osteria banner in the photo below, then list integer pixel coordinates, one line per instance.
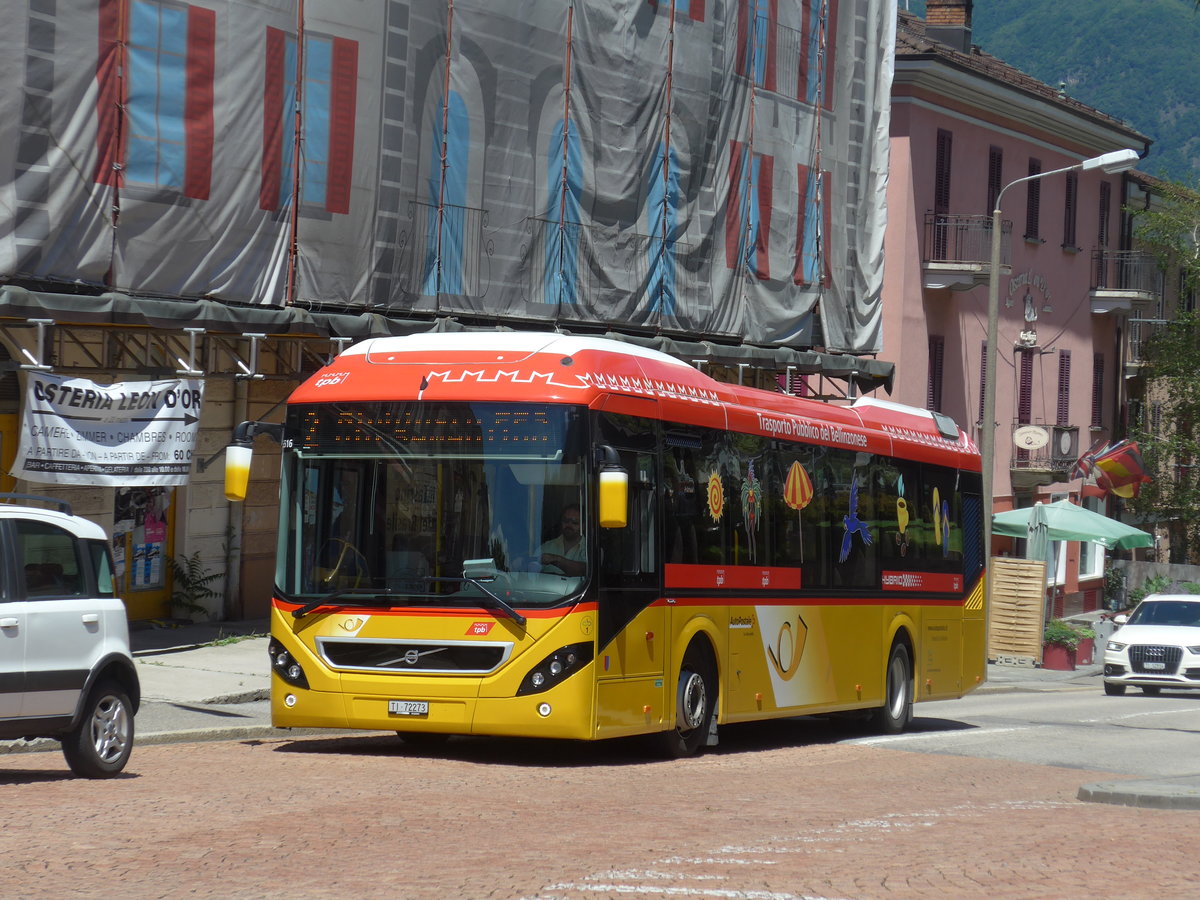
(75, 431)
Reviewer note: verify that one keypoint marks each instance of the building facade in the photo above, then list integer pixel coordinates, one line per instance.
(964, 127)
(227, 191)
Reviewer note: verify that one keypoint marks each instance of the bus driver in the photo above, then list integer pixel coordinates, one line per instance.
(565, 554)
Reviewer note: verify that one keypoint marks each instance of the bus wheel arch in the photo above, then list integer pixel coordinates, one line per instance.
(693, 712)
(899, 688)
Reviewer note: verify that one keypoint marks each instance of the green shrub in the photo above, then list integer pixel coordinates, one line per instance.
(1064, 635)
(193, 584)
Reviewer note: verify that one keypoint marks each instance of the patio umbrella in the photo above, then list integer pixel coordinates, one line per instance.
(1067, 522)
(1037, 535)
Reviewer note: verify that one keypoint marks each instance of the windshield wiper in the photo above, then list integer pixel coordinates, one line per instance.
(496, 602)
(329, 599)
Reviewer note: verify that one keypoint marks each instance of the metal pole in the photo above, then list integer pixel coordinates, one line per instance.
(987, 428)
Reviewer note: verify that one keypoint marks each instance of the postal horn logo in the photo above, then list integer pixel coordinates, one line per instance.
(785, 654)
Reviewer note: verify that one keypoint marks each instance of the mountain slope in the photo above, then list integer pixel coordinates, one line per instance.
(1137, 60)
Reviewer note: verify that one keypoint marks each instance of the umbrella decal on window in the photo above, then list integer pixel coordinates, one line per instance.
(797, 494)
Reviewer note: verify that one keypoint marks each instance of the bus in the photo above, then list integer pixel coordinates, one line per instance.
(731, 554)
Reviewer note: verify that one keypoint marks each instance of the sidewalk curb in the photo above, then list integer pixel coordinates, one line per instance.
(191, 736)
(1159, 793)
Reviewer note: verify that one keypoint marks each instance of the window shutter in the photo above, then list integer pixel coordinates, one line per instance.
(933, 394)
(1025, 397)
(983, 356)
(341, 125)
(198, 106)
(1098, 390)
(995, 176)
(273, 124)
(1105, 202)
(1033, 202)
(1069, 210)
(1064, 388)
(941, 185)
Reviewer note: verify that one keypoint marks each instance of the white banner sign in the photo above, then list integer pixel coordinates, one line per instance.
(75, 431)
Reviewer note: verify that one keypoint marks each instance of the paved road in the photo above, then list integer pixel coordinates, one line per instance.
(778, 812)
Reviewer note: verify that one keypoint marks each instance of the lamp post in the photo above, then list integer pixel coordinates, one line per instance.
(1111, 163)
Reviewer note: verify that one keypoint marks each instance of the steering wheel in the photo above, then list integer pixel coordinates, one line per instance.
(349, 568)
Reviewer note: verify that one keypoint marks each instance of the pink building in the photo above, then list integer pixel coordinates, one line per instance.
(964, 126)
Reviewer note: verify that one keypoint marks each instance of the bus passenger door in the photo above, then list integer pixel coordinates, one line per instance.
(633, 639)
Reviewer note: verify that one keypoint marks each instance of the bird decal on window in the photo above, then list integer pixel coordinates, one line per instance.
(854, 525)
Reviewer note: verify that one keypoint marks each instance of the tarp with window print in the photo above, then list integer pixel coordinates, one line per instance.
(709, 168)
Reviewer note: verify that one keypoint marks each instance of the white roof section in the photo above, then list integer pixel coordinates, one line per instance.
(517, 344)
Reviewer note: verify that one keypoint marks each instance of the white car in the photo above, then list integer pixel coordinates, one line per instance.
(1157, 647)
(65, 667)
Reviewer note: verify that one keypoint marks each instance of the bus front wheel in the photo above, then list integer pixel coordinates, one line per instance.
(896, 712)
(695, 703)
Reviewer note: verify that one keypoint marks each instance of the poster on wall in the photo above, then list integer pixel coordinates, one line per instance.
(140, 535)
(74, 431)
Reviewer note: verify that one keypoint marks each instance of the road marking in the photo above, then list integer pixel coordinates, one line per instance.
(943, 735)
(646, 889)
(1138, 715)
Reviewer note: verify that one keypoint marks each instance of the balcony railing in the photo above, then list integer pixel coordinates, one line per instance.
(958, 249)
(1122, 278)
(446, 249)
(1043, 454)
(1140, 331)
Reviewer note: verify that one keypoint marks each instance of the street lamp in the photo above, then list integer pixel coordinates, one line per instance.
(1111, 163)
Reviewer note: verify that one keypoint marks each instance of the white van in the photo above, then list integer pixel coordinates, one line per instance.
(65, 667)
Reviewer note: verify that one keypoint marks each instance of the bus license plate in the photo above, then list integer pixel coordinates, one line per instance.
(408, 707)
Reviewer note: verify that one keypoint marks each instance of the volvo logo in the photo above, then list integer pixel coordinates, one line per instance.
(412, 656)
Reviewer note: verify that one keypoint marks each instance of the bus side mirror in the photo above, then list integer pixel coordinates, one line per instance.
(614, 491)
(237, 471)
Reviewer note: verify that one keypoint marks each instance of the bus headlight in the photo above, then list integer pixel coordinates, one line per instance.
(285, 665)
(555, 668)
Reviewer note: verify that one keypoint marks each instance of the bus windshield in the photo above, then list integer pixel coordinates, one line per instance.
(423, 503)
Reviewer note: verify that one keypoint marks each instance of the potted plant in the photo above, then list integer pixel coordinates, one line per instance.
(1060, 642)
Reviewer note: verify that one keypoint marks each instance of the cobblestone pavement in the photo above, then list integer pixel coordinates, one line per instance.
(762, 818)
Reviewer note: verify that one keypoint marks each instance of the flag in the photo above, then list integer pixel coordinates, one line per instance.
(1117, 468)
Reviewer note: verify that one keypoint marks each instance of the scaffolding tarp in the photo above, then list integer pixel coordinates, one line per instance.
(709, 171)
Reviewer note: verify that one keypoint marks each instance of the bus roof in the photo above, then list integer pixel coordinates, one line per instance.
(601, 373)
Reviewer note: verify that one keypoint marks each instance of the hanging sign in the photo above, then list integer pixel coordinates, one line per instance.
(75, 431)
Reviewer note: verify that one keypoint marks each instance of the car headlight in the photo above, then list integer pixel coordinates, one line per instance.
(1195, 651)
(1115, 646)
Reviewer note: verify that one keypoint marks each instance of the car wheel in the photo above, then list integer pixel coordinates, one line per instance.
(101, 743)
(895, 714)
(1114, 690)
(1151, 690)
(695, 703)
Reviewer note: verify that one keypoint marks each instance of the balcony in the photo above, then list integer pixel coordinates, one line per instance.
(1042, 454)
(958, 251)
(1124, 280)
(1140, 332)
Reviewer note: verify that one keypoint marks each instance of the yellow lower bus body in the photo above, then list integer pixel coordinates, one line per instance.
(772, 661)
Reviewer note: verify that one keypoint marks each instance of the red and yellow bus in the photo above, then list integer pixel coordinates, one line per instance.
(742, 554)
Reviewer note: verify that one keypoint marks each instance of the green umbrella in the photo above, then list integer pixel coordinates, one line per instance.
(1064, 521)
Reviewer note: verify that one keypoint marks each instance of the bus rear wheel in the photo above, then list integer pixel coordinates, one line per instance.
(895, 714)
(695, 703)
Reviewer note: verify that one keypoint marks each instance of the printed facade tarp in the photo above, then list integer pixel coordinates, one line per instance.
(710, 169)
